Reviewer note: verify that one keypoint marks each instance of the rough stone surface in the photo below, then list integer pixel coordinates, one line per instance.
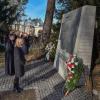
(76, 36)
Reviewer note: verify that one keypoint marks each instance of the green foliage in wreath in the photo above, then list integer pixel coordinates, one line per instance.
(71, 84)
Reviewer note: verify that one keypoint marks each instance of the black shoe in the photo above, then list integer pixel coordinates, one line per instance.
(16, 87)
(19, 89)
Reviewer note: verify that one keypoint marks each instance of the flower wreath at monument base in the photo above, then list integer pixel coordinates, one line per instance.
(74, 68)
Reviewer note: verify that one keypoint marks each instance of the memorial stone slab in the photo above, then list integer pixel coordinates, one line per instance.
(76, 37)
(85, 34)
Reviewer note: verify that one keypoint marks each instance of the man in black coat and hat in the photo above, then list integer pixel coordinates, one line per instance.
(9, 55)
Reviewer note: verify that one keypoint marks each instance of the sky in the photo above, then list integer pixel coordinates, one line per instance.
(36, 9)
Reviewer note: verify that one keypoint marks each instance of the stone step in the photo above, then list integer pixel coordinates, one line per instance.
(34, 64)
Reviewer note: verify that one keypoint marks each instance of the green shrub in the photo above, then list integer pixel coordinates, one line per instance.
(52, 54)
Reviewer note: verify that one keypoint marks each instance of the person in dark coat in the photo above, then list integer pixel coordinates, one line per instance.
(26, 43)
(19, 61)
(9, 55)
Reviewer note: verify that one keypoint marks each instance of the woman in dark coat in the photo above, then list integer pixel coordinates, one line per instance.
(9, 55)
(19, 61)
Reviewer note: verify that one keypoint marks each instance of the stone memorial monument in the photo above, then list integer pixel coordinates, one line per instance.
(76, 37)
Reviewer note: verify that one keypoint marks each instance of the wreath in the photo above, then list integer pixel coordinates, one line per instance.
(74, 68)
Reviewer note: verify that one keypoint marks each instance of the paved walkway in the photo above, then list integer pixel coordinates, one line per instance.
(46, 80)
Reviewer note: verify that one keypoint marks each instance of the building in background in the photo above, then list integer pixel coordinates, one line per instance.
(38, 30)
(31, 27)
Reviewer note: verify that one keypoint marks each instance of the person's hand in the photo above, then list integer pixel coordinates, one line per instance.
(28, 58)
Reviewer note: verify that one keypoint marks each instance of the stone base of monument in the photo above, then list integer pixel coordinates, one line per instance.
(88, 84)
(96, 94)
(96, 80)
(96, 77)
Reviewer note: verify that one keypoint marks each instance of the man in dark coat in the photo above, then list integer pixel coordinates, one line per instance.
(19, 61)
(9, 55)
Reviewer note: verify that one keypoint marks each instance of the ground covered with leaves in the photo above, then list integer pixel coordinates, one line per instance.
(24, 95)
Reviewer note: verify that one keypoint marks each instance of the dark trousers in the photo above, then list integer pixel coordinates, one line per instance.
(16, 82)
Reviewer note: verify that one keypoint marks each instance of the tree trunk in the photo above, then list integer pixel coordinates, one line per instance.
(48, 20)
(24, 26)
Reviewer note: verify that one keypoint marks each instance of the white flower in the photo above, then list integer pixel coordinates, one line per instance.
(72, 71)
(69, 62)
(72, 61)
(74, 55)
(76, 63)
(71, 77)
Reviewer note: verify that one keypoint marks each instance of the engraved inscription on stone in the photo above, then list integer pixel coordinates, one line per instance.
(84, 41)
(68, 34)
